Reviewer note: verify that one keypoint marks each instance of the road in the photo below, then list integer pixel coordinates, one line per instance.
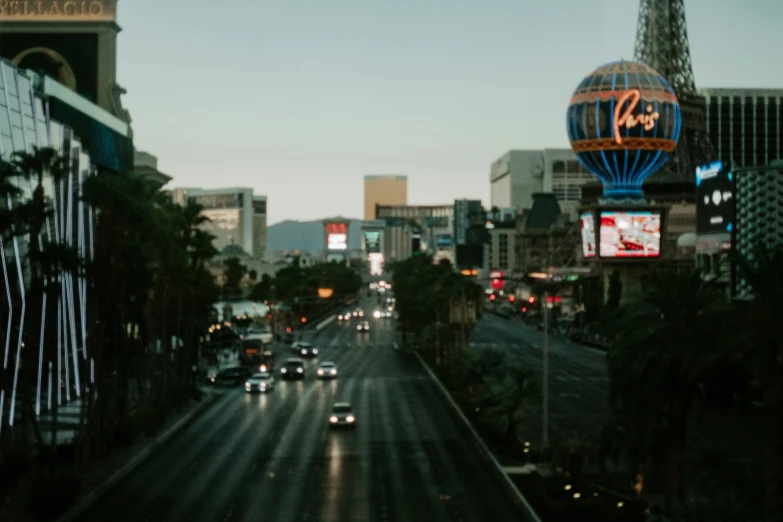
(579, 387)
(578, 380)
(273, 457)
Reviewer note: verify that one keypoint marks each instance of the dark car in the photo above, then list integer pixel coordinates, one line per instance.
(293, 369)
(234, 375)
(304, 349)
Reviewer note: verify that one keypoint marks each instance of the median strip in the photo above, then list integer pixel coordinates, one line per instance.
(496, 465)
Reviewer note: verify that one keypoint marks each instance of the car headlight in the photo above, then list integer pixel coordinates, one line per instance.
(315, 351)
(247, 385)
(304, 352)
(283, 370)
(333, 372)
(262, 386)
(349, 418)
(212, 379)
(299, 370)
(332, 419)
(320, 372)
(340, 317)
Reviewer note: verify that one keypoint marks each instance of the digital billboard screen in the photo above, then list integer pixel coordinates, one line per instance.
(376, 263)
(336, 236)
(630, 233)
(372, 241)
(588, 234)
(715, 199)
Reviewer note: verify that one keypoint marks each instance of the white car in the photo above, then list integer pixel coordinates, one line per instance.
(327, 370)
(260, 382)
(342, 415)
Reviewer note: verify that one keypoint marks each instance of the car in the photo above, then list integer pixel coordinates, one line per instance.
(345, 316)
(260, 382)
(304, 349)
(358, 312)
(342, 415)
(232, 375)
(363, 327)
(327, 370)
(293, 369)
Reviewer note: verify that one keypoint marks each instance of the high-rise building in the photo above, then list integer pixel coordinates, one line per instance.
(466, 213)
(259, 226)
(744, 125)
(519, 174)
(236, 216)
(72, 42)
(384, 189)
(426, 227)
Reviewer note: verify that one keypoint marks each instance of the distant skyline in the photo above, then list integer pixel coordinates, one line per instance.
(300, 102)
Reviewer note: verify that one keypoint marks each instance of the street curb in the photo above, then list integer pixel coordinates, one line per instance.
(94, 495)
(512, 489)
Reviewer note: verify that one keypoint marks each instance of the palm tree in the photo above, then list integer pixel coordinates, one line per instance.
(672, 341)
(49, 257)
(762, 270)
(501, 395)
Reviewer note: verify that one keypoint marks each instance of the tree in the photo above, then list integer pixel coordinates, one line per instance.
(675, 344)
(262, 290)
(501, 394)
(233, 271)
(762, 270)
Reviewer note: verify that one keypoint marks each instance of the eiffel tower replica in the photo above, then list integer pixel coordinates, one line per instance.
(662, 43)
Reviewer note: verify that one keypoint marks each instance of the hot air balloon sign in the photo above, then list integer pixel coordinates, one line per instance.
(623, 123)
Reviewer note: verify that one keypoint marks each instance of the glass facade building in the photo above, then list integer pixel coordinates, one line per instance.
(26, 122)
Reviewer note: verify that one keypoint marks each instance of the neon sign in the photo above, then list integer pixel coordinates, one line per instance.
(627, 119)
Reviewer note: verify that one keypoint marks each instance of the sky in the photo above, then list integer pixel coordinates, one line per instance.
(300, 99)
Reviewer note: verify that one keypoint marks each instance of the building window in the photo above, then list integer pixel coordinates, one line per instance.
(558, 167)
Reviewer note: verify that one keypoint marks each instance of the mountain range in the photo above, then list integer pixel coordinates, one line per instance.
(308, 236)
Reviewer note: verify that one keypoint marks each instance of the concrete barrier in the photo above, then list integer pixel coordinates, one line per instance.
(505, 480)
(325, 322)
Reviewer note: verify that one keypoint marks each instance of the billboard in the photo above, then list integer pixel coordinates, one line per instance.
(221, 219)
(336, 236)
(372, 241)
(587, 221)
(376, 263)
(630, 234)
(715, 199)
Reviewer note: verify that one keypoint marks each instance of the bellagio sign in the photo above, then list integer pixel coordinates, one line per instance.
(58, 10)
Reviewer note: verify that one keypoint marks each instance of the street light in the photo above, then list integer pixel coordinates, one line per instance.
(325, 293)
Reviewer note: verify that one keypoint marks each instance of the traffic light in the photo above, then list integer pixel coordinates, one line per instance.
(304, 319)
(491, 297)
(511, 299)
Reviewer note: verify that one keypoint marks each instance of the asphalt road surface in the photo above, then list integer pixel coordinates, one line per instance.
(274, 457)
(578, 380)
(579, 386)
